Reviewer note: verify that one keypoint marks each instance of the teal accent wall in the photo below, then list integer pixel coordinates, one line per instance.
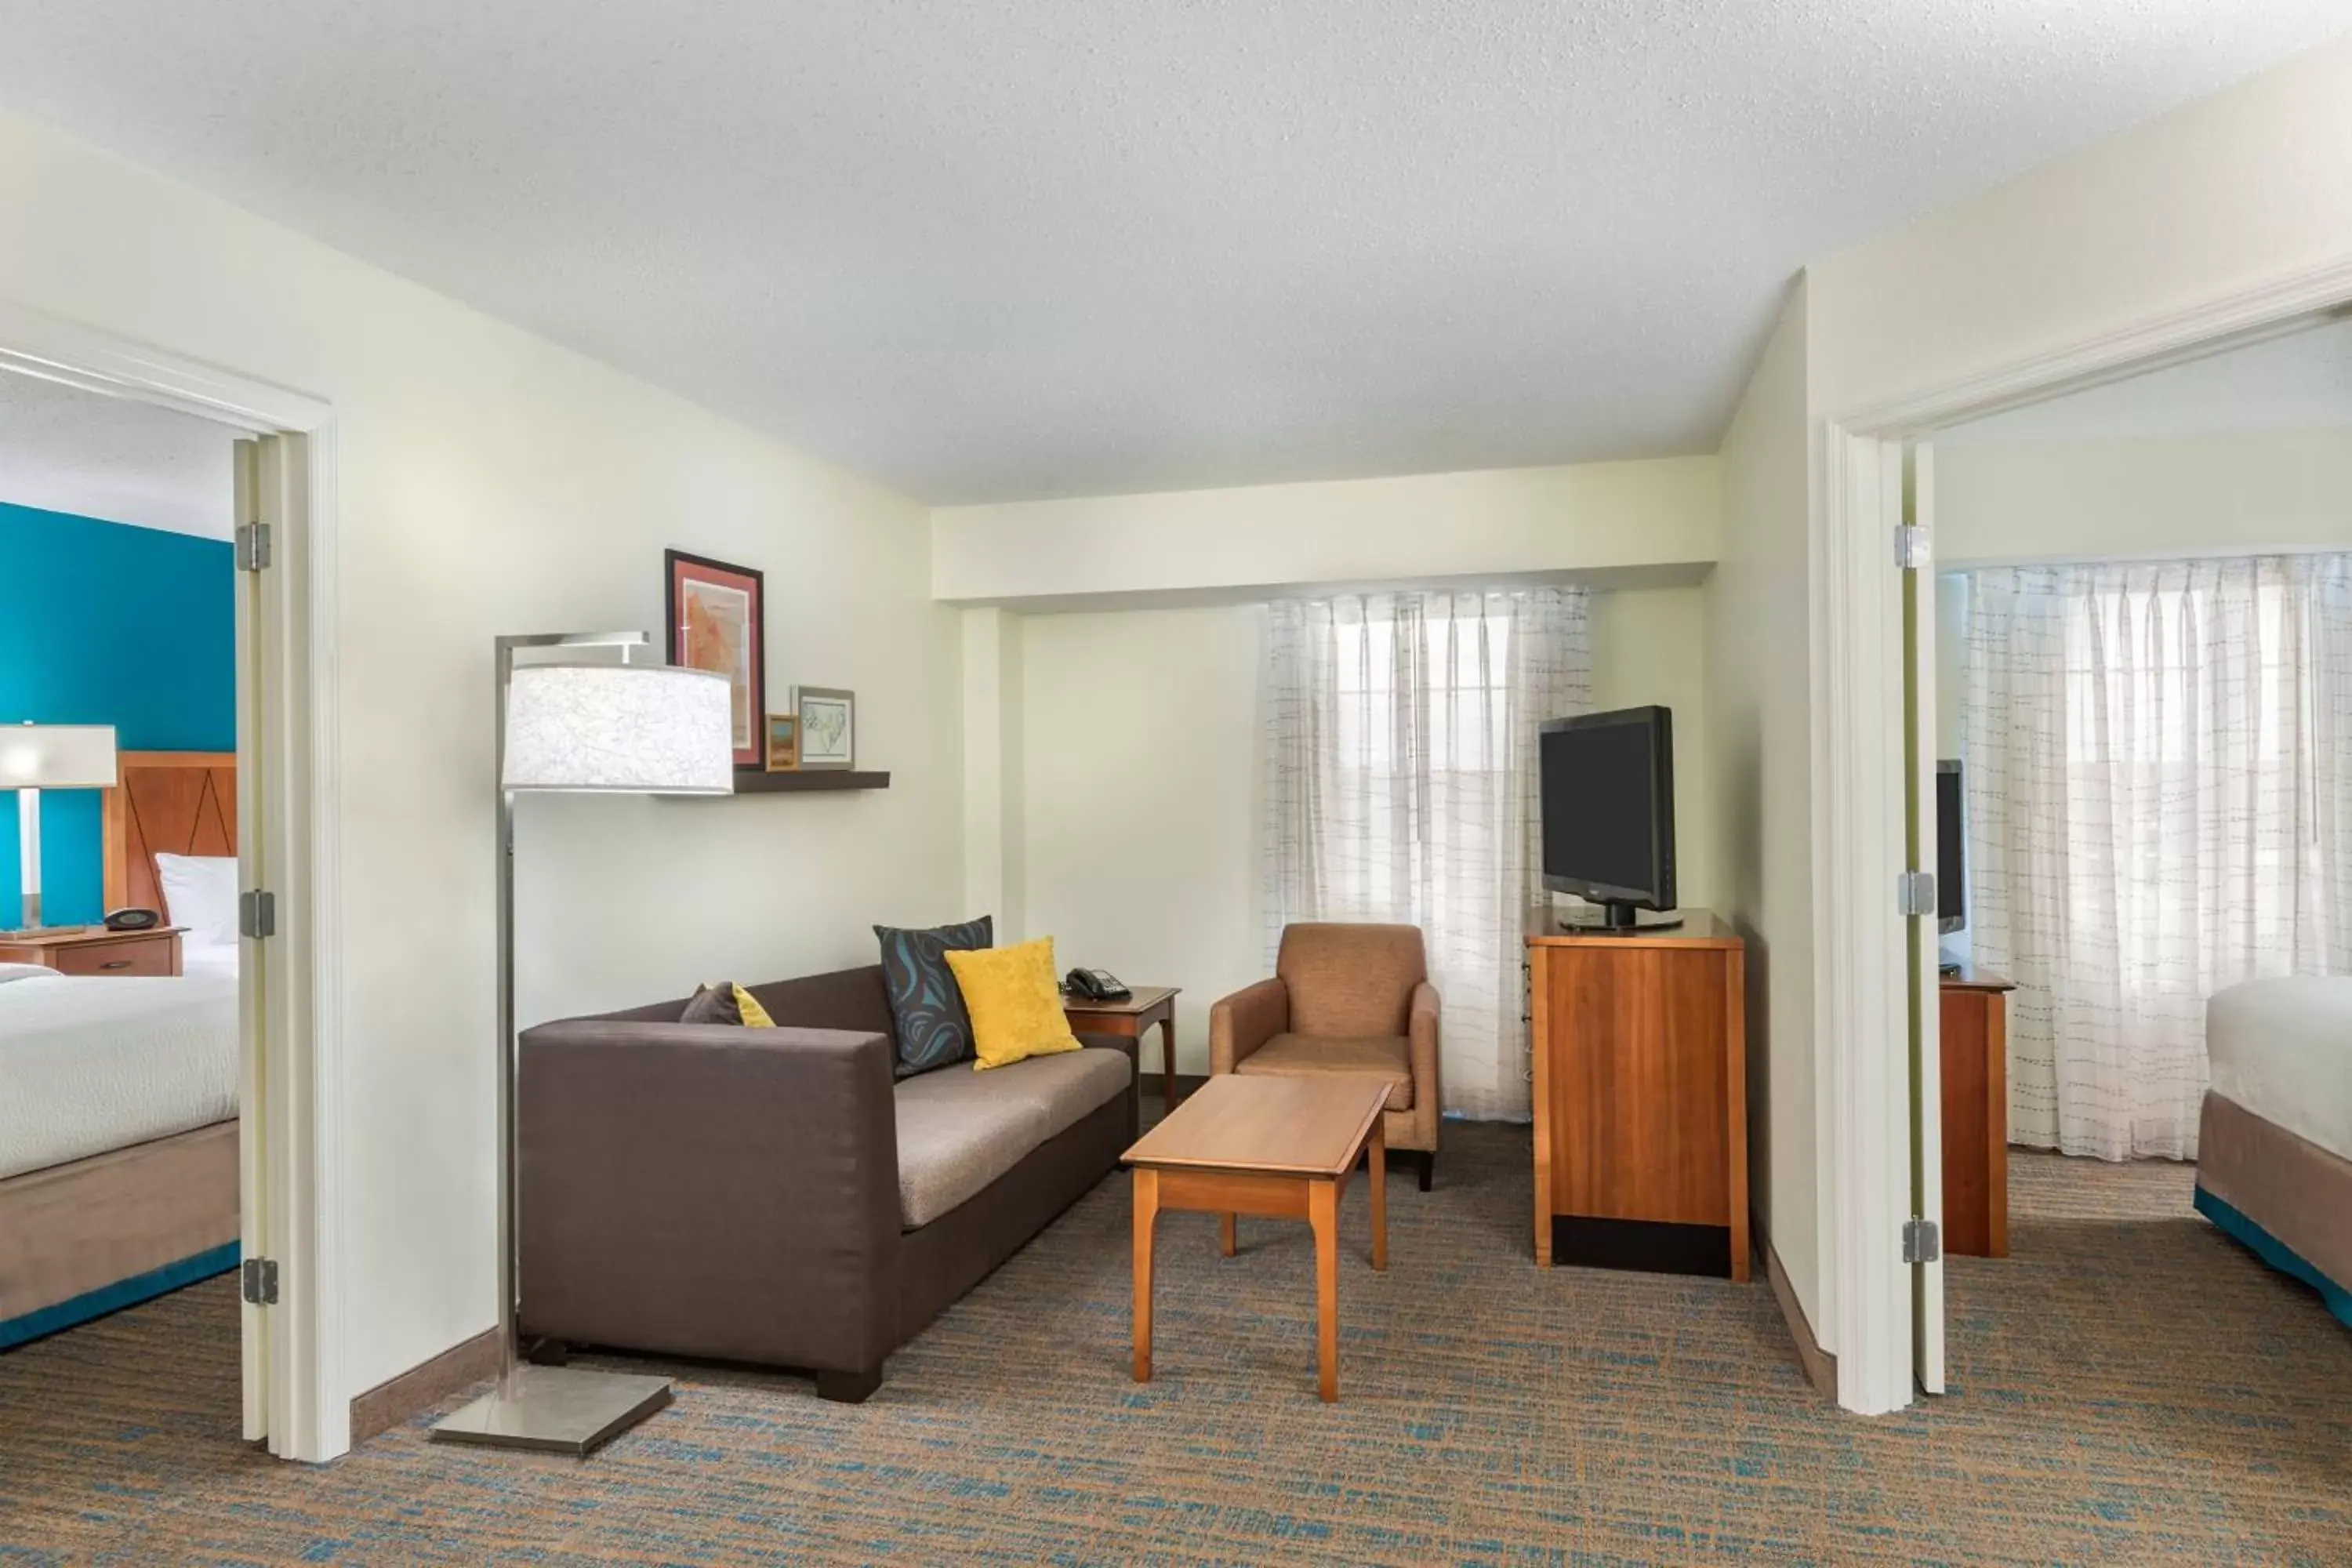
(105, 624)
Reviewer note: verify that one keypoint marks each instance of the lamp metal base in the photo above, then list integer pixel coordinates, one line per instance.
(556, 1410)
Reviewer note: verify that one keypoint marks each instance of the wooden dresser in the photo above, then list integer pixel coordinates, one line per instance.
(1973, 1043)
(1641, 1096)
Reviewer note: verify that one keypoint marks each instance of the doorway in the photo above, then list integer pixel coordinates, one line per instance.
(1883, 614)
(249, 830)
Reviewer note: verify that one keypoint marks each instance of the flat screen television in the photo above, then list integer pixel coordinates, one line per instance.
(1951, 852)
(1608, 811)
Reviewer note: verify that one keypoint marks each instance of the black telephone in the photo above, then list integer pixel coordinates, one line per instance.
(1095, 985)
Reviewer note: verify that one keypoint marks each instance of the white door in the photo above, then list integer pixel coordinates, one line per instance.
(1926, 992)
(253, 1077)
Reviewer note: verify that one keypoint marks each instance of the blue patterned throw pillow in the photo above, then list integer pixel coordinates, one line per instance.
(926, 1004)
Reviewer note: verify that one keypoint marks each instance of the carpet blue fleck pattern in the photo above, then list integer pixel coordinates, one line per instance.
(2130, 1386)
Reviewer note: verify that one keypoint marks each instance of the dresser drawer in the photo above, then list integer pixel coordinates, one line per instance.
(145, 955)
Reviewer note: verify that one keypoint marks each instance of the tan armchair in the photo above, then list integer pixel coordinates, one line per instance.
(1344, 999)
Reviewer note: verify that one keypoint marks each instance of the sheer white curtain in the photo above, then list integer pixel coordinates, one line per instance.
(1400, 785)
(2159, 766)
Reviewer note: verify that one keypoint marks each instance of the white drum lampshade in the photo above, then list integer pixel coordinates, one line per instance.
(634, 729)
(57, 756)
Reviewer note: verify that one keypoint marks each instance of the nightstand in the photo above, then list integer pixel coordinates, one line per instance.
(96, 951)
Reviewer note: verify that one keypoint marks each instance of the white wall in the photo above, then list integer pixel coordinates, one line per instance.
(2121, 498)
(1139, 761)
(1758, 695)
(491, 482)
(1656, 517)
(1140, 752)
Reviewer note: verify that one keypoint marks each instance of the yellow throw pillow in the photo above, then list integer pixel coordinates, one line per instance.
(754, 1015)
(1014, 1002)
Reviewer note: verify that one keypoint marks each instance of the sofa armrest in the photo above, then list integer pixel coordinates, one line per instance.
(701, 1189)
(1421, 1030)
(1240, 1023)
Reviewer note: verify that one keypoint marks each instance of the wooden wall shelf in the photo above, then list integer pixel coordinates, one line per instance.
(754, 781)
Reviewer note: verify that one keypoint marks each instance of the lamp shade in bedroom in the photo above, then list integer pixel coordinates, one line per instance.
(57, 756)
(635, 729)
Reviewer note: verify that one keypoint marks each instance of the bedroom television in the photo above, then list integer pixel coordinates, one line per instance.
(1951, 851)
(1608, 798)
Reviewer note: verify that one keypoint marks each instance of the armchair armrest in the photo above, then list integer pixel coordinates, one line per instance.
(701, 1189)
(1420, 1030)
(1240, 1023)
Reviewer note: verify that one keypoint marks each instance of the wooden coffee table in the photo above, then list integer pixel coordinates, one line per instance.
(1264, 1145)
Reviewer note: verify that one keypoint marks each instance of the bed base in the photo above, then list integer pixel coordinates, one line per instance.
(85, 1238)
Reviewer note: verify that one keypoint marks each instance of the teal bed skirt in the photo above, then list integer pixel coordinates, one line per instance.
(2276, 1253)
(121, 1294)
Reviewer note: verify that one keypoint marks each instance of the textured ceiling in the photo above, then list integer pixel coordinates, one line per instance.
(990, 251)
(63, 449)
(2302, 382)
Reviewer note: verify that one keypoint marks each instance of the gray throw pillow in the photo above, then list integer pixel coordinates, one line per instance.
(713, 1004)
(927, 1010)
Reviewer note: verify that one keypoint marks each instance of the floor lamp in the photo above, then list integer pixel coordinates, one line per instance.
(624, 728)
(35, 757)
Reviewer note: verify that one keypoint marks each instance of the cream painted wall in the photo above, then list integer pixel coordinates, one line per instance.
(491, 482)
(1758, 698)
(1140, 752)
(2244, 187)
(2081, 501)
(1589, 518)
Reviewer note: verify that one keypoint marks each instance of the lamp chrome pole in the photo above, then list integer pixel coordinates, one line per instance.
(564, 1410)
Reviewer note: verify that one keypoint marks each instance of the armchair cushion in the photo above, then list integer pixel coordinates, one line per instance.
(1372, 1056)
(1350, 980)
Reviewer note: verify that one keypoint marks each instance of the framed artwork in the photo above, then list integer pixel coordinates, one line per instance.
(828, 726)
(783, 742)
(716, 620)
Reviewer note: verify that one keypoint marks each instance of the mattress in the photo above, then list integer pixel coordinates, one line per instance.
(2283, 1050)
(87, 1065)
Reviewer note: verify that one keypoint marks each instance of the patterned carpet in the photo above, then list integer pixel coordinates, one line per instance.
(2130, 1387)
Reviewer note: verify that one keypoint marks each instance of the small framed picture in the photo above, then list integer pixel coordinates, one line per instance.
(828, 726)
(783, 742)
(715, 614)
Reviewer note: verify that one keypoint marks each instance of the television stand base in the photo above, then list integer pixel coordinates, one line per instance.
(1614, 919)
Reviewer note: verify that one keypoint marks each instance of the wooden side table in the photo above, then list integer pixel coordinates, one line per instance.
(1973, 1016)
(1147, 1005)
(96, 951)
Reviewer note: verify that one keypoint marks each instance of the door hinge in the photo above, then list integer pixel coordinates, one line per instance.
(1914, 893)
(1914, 551)
(252, 546)
(259, 1278)
(1923, 1241)
(257, 914)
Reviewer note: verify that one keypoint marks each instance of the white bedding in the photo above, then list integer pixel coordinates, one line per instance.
(2283, 1049)
(92, 1064)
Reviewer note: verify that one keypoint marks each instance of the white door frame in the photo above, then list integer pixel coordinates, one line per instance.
(308, 1414)
(1863, 998)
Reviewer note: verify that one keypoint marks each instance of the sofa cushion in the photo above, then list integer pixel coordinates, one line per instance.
(933, 1029)
(959, 1129)
(1376, 1055)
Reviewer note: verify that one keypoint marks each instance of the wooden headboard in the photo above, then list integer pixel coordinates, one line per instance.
(172, 803)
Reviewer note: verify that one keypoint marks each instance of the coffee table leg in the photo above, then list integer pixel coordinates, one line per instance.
(1379, 1171)
(1225, 1238)
(1147, 1210)
(1323, 1212)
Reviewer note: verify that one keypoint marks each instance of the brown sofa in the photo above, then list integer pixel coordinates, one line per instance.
(773, 1195)
(1345, 999)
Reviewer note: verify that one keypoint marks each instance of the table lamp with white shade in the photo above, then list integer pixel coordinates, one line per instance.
(630, 729)
(35, 757)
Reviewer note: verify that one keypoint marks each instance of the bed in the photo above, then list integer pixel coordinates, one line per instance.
(119, 1159)
(2275, 1147)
